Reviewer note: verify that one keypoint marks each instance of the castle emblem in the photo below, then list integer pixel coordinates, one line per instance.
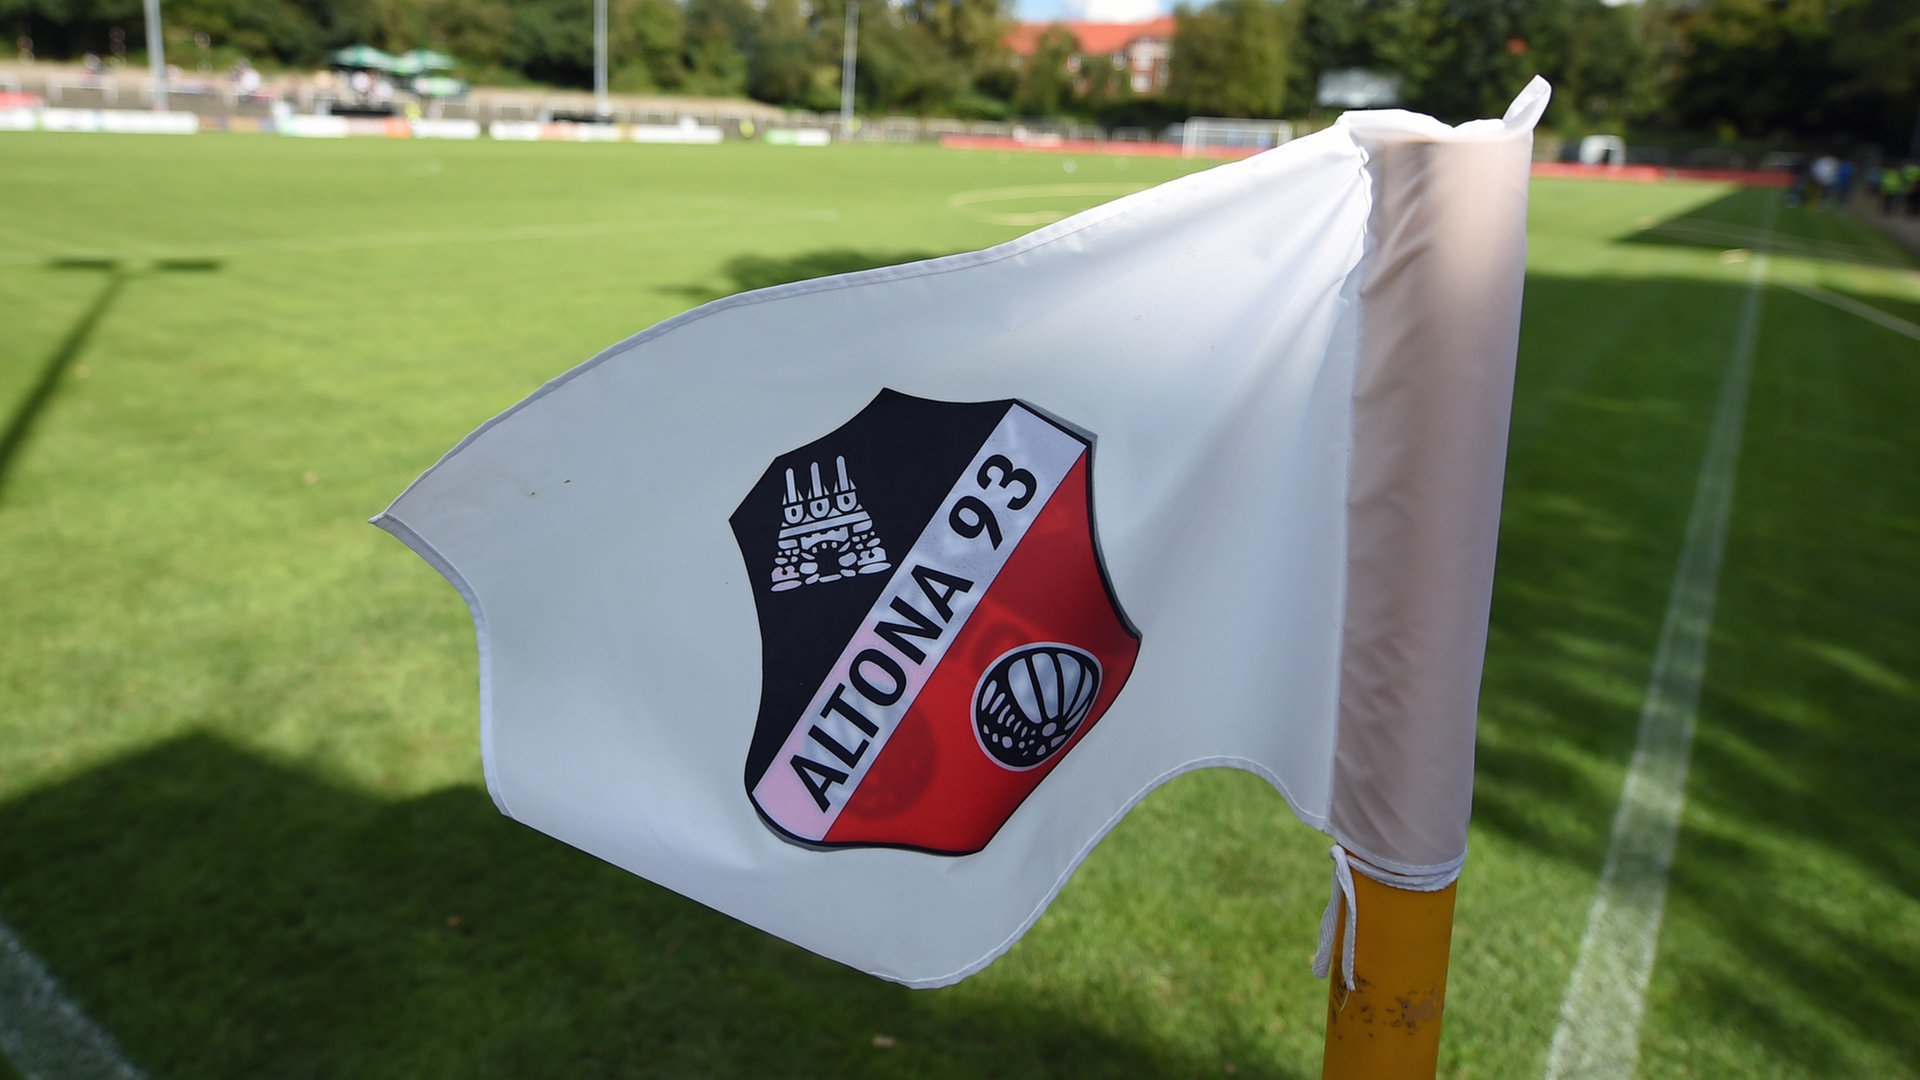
(825, 535)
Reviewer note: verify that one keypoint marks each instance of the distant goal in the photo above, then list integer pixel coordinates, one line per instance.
(1205, 134)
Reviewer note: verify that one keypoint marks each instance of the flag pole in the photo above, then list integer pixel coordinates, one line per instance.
(1432, 393)
(1388, 1026)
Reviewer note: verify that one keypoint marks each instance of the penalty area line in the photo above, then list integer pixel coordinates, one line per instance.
(44, 1034)
(1598, 1034)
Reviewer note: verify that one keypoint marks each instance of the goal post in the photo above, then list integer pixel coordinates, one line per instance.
(1203, 133)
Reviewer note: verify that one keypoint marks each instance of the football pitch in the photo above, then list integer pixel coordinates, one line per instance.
(243, 830)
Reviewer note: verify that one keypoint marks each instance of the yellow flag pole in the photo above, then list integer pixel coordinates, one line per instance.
(1432, 392)
(1388, 1026)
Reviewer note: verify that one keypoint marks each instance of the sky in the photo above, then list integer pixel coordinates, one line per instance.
(1092, 10)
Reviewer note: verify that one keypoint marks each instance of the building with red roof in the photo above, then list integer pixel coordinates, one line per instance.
(1143, 49)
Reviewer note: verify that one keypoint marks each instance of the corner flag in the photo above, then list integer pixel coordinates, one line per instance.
(861, 608)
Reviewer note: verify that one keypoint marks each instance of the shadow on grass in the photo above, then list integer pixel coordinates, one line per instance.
(1804, 756)
(13, 438)
(747, 272)
(227, 916)
(1731, 223)
(222, 915)
(1813, 738)
(19, 426)
(1616, 385)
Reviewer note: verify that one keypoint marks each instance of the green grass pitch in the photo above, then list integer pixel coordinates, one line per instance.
(241, 813)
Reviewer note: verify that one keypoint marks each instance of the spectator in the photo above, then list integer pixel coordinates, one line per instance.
(1797, 188)
(1893, 190)
(1826, 178)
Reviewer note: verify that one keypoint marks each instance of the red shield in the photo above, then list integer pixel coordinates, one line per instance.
(937, 631)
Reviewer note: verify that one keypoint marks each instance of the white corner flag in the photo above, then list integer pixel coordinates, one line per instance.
(860, 609)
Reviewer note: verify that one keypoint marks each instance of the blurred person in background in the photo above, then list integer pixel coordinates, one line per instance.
(1826, 179)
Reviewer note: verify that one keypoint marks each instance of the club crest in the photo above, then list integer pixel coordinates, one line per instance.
(937, 630)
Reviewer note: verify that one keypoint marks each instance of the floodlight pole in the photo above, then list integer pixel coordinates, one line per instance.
(850, 48)
(156, 56)
(600, 106)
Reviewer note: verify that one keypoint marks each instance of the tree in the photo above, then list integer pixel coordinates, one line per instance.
(1657, 57)
(1232, 58)
(1817, 70)
(965, 42)
(1754, 67)
(1105, 85)
(267, 30)
(1826, 71)
(551, 41)
(720, 35)
(1461, 59)
(645, 39)
(1046, 81)
(475, 31)
(971, 32)
(784, 68)
(1876, 45)
(1333, 35)
(903, 65)
(1611, 65)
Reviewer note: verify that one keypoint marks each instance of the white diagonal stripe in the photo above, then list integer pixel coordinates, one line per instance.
(1854, 307)
(1598, 1037)
(44, 1034)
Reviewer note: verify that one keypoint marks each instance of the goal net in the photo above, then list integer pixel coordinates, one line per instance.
(1202, 133)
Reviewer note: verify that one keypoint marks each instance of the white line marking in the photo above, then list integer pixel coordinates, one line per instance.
(1598, 1037)
(42, 1033)
(506, 234)
(1854, 307)
(969, 203)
